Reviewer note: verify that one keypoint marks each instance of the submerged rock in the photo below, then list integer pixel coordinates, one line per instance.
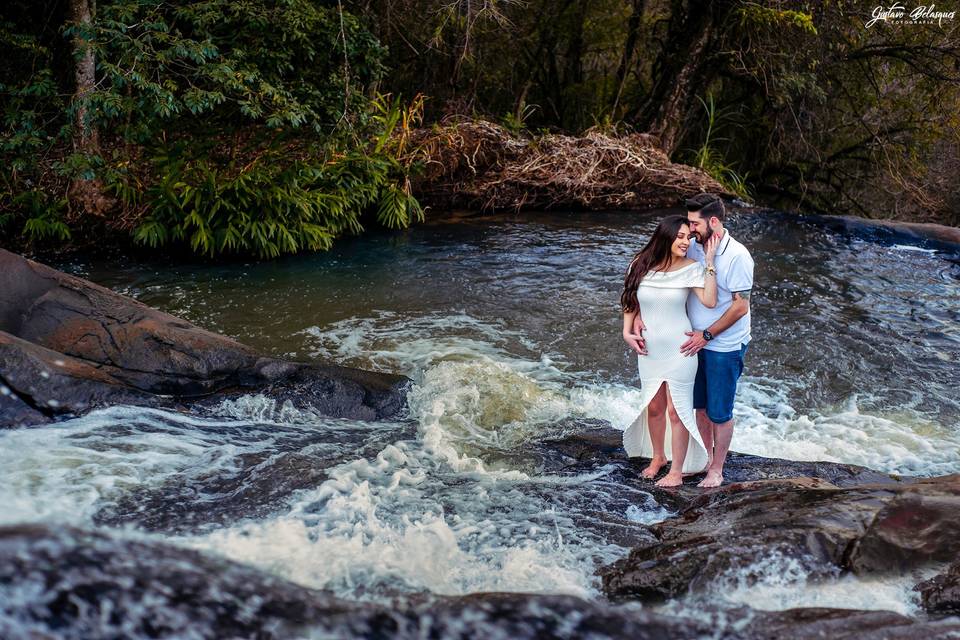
(941, 593)
(68, 346)
(825, 528)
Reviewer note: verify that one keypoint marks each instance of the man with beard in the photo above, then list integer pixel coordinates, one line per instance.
(720, 335)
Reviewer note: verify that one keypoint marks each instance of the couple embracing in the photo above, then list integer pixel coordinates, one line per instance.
(686, 312)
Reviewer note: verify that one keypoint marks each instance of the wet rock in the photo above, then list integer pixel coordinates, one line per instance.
(941, 593)
(519, 616)
(70, 583)
(597, 444)
(825, 528)
(253, 486)
(919, 524)
(842, 624)
(69, 346)
(48, 384)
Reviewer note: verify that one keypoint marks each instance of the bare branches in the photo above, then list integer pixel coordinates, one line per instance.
(478, 163)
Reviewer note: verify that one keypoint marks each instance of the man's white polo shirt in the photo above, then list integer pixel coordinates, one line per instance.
(734, 273)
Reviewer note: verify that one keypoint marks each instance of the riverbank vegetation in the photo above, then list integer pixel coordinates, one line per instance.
(261, 127)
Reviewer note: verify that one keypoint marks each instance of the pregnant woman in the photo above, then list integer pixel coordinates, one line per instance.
(659, 279)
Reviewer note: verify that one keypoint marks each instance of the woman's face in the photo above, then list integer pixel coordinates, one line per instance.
(682, 241)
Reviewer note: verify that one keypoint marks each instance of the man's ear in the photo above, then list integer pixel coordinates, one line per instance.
(714, 222)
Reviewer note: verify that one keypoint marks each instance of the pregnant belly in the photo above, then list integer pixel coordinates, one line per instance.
(665, 343)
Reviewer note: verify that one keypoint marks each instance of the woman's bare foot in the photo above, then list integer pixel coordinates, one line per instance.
(671, 480)
(713, 479)
(654, 467)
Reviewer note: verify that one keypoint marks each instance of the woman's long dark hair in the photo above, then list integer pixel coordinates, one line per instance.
(657, 252)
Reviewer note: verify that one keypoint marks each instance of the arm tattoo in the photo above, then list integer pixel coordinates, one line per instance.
(745, 295)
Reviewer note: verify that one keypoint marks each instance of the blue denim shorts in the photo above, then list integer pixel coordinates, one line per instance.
(716, 383)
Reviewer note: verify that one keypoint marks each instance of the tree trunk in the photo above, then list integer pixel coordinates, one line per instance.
(633, 28)
(85, 74)
(88, 194)
(682, 69)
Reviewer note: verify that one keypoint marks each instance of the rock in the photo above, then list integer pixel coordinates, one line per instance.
(70, 346)
(842, 624)
(254, 486)
(941, 593)
(919, 524)
(597, 443)
(61, 582)
(887, 232)
(825, 528)
(69, 583)
(51, 383)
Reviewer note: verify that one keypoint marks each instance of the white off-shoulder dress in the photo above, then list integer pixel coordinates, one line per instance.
(663, 307)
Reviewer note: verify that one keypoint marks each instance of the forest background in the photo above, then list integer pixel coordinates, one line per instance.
(263, 127)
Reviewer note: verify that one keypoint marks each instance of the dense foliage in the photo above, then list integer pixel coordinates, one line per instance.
(799, 102)
(230, 125)
(258, 126)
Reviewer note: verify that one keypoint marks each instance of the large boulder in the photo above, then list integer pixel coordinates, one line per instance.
(885, 527)
(69, 346)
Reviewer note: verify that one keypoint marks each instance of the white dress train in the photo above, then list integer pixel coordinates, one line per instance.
(663, 300)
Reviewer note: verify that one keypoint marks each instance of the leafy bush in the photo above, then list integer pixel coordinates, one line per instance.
(270, 206)
(40, 217)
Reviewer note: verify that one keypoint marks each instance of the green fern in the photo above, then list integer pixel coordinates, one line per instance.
(272, 206)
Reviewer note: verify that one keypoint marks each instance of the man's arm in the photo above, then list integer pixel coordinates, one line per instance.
(738, 308)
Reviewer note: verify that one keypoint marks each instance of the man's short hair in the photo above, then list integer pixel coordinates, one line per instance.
(708, 204)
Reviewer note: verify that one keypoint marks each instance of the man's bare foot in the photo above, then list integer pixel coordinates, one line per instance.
(671, 480)
(654, 467)
(713, 479)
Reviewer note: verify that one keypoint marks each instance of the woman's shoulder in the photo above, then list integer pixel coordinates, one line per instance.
(686, 264)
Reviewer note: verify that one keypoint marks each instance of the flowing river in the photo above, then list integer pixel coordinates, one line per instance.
(510, 331)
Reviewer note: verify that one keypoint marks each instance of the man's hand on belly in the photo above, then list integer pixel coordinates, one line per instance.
(694, 343)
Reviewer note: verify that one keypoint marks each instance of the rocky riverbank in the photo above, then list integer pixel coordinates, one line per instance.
(68, 346)
(72, 582)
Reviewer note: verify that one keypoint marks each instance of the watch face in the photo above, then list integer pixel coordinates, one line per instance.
(707, 335)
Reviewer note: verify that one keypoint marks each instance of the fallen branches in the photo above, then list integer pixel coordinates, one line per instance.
(476, 164)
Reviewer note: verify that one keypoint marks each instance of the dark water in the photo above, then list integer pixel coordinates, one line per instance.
(836, 317)
(511, 332)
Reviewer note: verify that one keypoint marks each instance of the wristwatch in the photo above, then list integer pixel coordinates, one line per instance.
(707, 335)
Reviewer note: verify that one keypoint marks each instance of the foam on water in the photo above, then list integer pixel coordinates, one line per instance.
(62, 472)
(506, 379)
(904, 442)
(69, 471)
(428, 514)
(778, 581)
(447, 510)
